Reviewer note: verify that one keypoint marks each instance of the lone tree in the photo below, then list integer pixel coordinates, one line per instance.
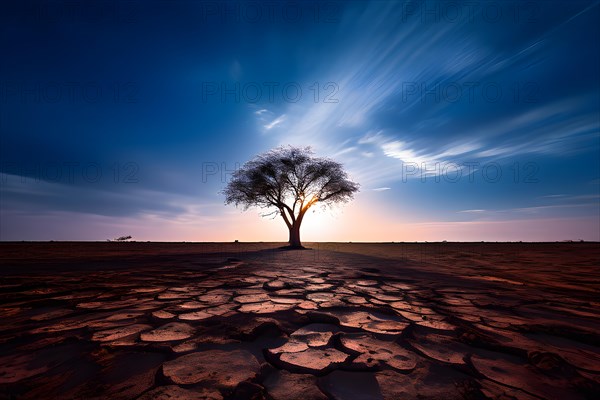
(289, 180)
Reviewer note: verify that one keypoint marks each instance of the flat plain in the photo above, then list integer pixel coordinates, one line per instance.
(86, 320)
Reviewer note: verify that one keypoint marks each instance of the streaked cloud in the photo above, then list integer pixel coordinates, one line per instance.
(391, 76)
(275, 122)
(380, 68)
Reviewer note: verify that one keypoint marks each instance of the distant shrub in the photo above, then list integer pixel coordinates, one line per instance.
(122, 238)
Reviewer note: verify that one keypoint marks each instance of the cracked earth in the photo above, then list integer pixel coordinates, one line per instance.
(340, 322)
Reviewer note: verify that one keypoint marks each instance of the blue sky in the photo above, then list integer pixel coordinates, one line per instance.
(460, 120)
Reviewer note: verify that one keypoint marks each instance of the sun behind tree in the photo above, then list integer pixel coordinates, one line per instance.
(289, 180)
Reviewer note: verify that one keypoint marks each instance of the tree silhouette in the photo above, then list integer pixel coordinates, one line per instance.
(289, 181)
(122, 238)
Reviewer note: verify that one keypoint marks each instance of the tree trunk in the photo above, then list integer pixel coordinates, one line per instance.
(295, 235)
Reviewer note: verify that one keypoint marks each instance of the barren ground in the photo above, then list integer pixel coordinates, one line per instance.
(337, 321)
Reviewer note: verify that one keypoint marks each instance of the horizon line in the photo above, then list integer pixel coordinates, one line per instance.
(342, 242)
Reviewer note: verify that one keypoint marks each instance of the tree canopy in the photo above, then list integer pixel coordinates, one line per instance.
(289, 180)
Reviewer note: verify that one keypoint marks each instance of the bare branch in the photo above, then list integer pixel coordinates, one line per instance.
(290, 180)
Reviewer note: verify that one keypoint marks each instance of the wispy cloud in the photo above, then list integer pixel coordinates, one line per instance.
(585, 205)
(377, 72)
(275, 122)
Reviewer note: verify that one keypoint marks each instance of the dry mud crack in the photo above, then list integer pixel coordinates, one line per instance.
(291, 329)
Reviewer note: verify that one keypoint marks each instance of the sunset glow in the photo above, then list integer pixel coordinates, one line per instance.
(456, 127)
(299, 200)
